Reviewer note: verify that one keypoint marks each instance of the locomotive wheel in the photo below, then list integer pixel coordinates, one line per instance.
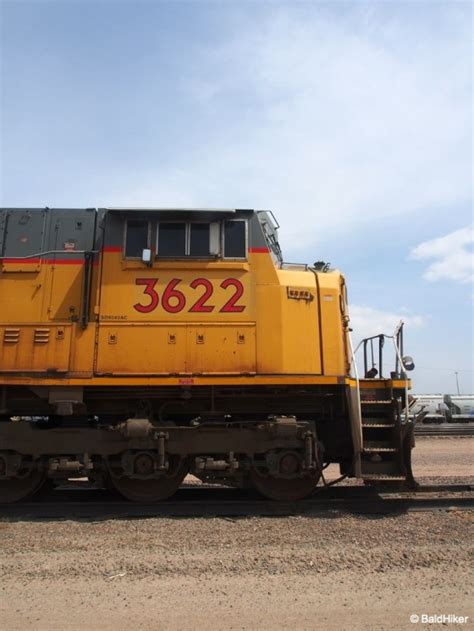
(16, 489)
(283, 489)
(153, 489)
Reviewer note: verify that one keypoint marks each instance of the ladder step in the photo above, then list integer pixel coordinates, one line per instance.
(373, 446)
(378, 450)
(384, 467)
(381, 477)
(384, 401)
(387, 425)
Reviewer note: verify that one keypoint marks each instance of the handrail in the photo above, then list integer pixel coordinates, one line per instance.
(274, 219)
(40, 254)
(400, 359)
(88, 256)
(356, 371)
(353, 357)
(397, 339)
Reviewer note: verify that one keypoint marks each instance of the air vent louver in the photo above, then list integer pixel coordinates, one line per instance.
(11, 336)
(41, 336)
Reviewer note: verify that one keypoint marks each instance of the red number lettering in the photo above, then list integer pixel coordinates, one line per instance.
(174, 301)
(230, 306)
(149, 291)
(200, 305)
(172, 293)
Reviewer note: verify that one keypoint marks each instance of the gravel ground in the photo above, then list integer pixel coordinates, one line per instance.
(443, 457)
(338, 571)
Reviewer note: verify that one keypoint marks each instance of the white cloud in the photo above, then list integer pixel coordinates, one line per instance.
(453, 256)
(367, 321)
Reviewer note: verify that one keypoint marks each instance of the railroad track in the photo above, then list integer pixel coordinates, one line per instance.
(234, 503)
(445, 429)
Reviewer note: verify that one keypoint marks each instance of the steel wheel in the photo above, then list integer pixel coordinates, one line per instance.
(283, 489)
(16, 489)
(153, 489)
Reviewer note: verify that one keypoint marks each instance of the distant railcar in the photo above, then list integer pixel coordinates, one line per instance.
(440, 408)
(461, 407)
(137, 345)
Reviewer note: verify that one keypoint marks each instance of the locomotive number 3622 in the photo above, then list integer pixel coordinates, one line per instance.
(173, 299)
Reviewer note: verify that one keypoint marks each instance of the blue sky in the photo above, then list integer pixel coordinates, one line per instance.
(352, 121)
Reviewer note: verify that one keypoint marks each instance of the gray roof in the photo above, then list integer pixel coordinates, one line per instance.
(178, 210)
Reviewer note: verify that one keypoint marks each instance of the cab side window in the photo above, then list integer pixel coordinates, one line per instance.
(136, 238)
(171, 239)
(199, 235)
(235, 239)
(182, 239)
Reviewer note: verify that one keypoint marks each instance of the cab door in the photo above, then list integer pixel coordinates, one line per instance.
(71, 235)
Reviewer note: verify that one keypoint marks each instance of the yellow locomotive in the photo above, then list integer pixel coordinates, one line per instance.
(137, 345)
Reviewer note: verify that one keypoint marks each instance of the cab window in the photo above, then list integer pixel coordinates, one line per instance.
(193, 239)
(235, 239)
(199, 234)
(136, 238)
(184, 239)
(171, 239)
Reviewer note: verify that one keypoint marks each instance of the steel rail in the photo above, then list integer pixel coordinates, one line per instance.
(232, 503)
(444, 429)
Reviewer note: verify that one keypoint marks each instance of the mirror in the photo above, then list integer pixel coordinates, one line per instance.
(408, 362)
(146, 256)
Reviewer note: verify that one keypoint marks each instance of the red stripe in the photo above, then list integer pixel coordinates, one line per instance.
(111, 248)
(258, 250)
